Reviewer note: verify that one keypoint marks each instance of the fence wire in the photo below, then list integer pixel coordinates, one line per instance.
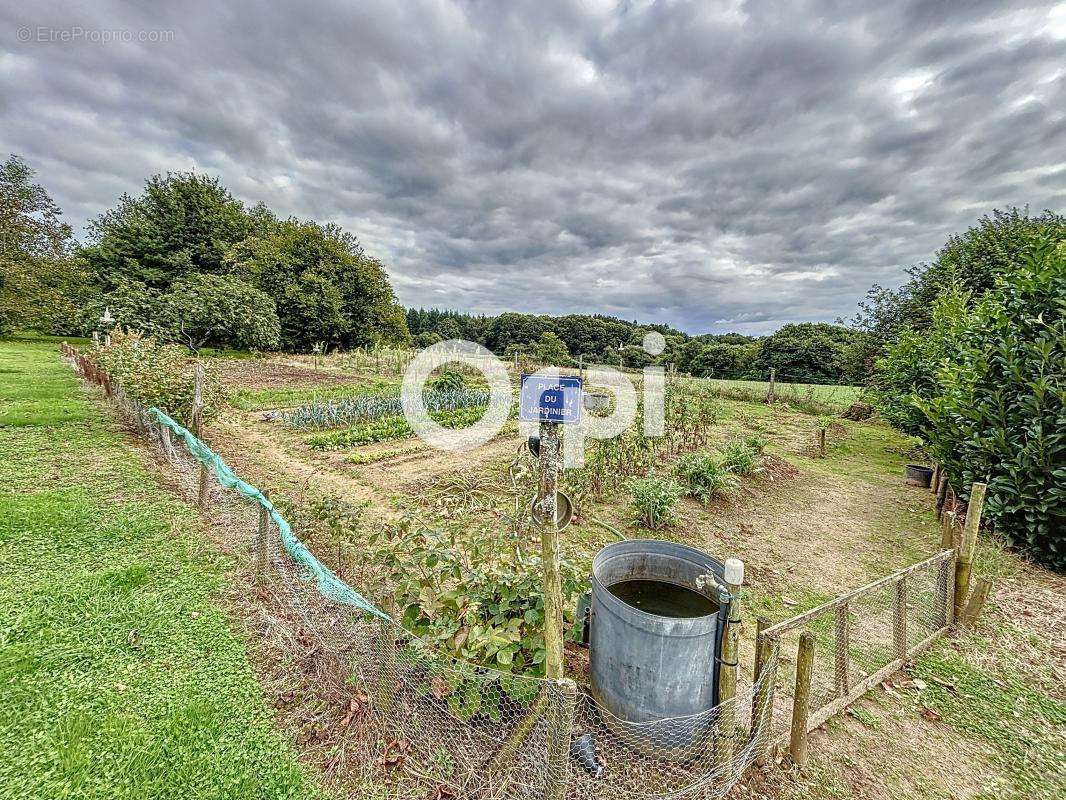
(479, 732)
(861, 638)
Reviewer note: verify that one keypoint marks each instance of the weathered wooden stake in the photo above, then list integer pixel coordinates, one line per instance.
(261, 546)
(843, 647)
(385, 695)
(727, 667)
(941, 494)
(977, 602)
(801, 699)
(764, 684)
(899, 619)
(964, 563)
(560, 727)
(770, 397)
(821, 442)
(550, 457)
(934, 482)
(197, 423)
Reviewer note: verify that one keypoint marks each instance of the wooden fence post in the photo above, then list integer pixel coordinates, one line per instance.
(197, 426)
(801, 699)
(387, 678)
(261, 546)
(770, 390)
(560, 727)
(976, 603)
(764, 680)
(843, 650)
(964, 563)
(821, 442)
(899, 619)
(941, 494)
(934, 482)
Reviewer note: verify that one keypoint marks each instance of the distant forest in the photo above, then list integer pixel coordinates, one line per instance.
(809, 352)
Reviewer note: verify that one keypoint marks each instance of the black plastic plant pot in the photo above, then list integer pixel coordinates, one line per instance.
(918, 475)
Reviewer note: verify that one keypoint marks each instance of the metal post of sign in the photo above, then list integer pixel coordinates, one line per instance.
(550, 457)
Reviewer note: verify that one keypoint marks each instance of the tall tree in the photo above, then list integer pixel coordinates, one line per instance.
(40, 284)
(183, 223)
(325, 286)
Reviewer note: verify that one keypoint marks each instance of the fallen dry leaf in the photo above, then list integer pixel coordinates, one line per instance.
(930, 714)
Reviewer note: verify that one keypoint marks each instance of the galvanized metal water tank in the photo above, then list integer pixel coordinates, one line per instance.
(644, 666)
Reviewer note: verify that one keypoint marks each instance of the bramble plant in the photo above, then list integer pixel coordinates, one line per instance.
(156, 374)
(654, 500)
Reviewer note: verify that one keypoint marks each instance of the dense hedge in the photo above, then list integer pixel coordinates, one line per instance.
(997, 411)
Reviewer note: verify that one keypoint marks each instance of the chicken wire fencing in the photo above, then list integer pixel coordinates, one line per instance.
(861, 638)
(480, 732)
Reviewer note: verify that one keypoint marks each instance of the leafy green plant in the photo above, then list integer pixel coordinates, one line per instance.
(999, 414)
(706, 476)
(156, 374)
(654, 500)
(743, 456)
(448, 380)
(473, 599)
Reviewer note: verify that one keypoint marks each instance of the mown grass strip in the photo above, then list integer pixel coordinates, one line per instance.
(121, 676)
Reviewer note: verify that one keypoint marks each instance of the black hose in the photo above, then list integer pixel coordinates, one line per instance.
(725, 602)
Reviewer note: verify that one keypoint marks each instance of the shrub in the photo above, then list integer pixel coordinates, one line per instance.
(654, 500)
(156, 374)
(999, 414)
(448, 380)
(706, 476)
(473, 599)
(743, 456)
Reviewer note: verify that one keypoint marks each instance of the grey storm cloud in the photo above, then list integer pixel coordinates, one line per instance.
(714, 165)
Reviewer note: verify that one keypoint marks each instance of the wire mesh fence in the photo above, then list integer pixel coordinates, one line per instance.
(861, 638)
(481, 732)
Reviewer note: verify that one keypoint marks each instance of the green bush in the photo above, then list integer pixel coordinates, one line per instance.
(706, 476)
(472, 599)
(156, 374)
(999, 411)
(743, 456)
(448, 380)
(654, 500)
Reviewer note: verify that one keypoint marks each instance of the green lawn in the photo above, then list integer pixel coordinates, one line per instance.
(810, 397)
(121, 677)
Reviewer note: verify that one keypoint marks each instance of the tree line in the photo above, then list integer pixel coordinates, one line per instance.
(806, 352)
(189, 263)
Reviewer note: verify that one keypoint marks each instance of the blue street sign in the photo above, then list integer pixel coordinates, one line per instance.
(550, 399)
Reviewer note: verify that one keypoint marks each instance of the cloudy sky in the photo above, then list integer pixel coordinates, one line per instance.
(715, 165)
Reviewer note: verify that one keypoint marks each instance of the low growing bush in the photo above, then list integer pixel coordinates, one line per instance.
(654, 501)
(706, 476)
(156, 374)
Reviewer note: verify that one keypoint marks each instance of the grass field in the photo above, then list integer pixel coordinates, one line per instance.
(121, 675)
(810, 397)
